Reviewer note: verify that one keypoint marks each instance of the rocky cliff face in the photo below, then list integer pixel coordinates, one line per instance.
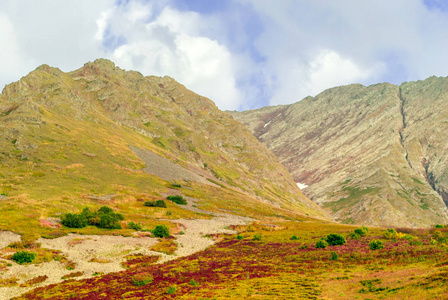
(88, 118)
(372, 155)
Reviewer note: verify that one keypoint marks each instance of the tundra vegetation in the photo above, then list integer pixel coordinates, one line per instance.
(379, 264)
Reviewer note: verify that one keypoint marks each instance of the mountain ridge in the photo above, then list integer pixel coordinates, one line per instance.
(336, 136)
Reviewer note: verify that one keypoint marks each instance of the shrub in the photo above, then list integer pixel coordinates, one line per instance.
(375, 244)
(335, 239)
(257, 237)
(23, 257)
(135, 226)
(171, 290)
(415, 243)
(141, 279)
(161, 231)
(194, 283)
(391, 233)
(439, 226)
(294, 238)
(177, 199)
(103, 218)
(409, 237)
(334, 256)
(443, 240)
(104, 210)
(321, 244)
(88, 214)
(239, 237)
(158, 203)
(74, 221)
(436, 234)
(360, 231)
(353, 236)
(176, 185)
(94, 221)
(110, 221)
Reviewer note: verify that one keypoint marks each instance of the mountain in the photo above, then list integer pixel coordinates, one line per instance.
(96, 133)
(369, 155)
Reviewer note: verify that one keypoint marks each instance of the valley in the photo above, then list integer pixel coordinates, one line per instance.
(118, 186)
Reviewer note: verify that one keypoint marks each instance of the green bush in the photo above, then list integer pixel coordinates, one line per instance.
(109, 221)
(161, 231)
(294, 238)
(103, 218)
(23, 257)
(94, 221)
(334, 256)
(375, 244)
(257, 237)
(135, 226)
(360, 232)
(321, 244)
(177, 199)
(194, 282)
(74, 221)
(354, 236)
(88, 214)
(439, 226)
(239, 237)
(104, 210)
(141, 279)
(335, 239)
(176, 185)
(171, 290)
(415, 243)
(158, 203)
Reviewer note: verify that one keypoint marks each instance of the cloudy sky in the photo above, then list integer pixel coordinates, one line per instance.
(242, 54)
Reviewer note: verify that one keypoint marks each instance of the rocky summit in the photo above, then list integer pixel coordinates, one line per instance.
(369, 155)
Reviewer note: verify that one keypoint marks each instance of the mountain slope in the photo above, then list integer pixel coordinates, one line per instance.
(65, 137)
(368, 154)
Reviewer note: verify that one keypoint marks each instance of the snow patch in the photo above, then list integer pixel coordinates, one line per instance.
(267, 124)
(301, 185)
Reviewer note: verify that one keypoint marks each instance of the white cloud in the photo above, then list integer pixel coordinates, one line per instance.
(10, 56)
(246, 54)
(330, 69)
(171, 45)
(58, 33)
(313, 45)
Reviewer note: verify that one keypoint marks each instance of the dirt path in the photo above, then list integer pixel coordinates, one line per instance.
(94, 254)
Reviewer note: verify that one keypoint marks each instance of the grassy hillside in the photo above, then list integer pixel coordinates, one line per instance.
(65, 144)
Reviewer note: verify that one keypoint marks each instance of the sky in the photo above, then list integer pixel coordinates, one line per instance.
(242, 54)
